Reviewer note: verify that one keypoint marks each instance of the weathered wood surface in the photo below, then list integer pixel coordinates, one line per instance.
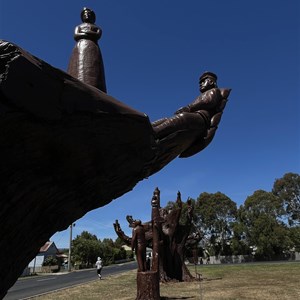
(66, 148)
(172, 238)
(148, 286)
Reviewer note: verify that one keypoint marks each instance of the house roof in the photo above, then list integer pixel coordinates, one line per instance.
(47, 245)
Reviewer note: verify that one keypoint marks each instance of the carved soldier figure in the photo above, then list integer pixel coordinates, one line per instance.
(138, 243)
(86, 62)
(199, 119)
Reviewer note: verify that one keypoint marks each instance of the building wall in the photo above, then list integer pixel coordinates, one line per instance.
(39, 259)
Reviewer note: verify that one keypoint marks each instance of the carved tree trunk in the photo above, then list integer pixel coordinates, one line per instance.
(148, 285)
(168, 240)
(66, 148)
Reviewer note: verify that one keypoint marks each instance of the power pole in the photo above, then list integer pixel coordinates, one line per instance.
(69, 258)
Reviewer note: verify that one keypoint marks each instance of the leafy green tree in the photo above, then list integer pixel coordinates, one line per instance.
(264, 230)
(119, 242)
(216, 214)
(294, 234)
(109, 251)
(86, 248)
(120, 254)
(287, 189)
(238, 243)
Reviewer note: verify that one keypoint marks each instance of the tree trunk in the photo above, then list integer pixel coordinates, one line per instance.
(66, 148)
(148, 285)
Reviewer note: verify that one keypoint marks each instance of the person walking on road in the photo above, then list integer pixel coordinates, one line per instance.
(99, 266)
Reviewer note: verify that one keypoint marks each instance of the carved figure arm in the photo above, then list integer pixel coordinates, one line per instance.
(206, 101)
(120, 233)
(88, 31)
(216, 115)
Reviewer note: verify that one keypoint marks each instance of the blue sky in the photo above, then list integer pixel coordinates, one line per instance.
(154, 52)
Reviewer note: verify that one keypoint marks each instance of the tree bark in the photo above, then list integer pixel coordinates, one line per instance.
(148, 286)
(66, 148)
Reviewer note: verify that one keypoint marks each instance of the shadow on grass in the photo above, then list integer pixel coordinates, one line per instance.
(210, 279)
(176, 298)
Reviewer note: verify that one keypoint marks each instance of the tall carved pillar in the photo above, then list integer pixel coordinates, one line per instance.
(148, 282)
(155, 203)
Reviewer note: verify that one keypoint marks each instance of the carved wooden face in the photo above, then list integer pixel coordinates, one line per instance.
(207, 83)
(88, 16)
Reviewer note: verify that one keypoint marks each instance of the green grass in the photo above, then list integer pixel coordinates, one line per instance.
(268, 281)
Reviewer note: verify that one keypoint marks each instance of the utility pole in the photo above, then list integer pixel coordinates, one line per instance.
(69, 258)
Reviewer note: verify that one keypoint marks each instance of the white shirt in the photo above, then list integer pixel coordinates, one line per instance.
(99, 264)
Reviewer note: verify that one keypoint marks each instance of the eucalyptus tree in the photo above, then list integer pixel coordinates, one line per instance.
(216, 213)
(287, 189)
(86, 248)
(265, 231)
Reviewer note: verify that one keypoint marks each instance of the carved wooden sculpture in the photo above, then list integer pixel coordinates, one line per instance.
(138, 244)
(86, 63)
(172, 239)
(67, 148)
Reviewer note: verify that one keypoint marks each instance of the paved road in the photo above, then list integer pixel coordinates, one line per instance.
(28, 287)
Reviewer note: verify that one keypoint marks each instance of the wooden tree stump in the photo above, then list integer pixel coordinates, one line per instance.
(148, 285)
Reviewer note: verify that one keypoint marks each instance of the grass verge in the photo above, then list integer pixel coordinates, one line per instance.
(268, 281)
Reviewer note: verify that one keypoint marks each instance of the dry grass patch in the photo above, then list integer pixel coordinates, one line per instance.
(121, 287)
(252, 281)
(227, 282)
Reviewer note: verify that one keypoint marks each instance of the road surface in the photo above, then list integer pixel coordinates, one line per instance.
(25, 288)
